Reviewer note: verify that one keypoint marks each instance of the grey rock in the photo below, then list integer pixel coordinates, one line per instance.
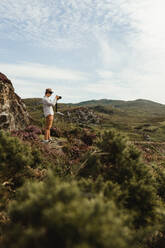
(13, 113)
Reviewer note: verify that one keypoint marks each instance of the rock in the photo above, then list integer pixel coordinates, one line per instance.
(13, 113)
(82, 115)
(146, 137)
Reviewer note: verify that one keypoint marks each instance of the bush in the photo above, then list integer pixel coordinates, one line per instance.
(117, 160)
(160, 179)
(120, 163)
(108, 189)
(121, 159)
(16, 158)
(29, 133)
(90, 166)
(56, 132)
(55, 213)
(72, 150)
(33, 129)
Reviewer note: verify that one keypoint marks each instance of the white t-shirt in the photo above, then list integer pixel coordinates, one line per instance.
(48, 105)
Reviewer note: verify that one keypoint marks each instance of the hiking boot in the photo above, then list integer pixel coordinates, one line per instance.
(45, 141)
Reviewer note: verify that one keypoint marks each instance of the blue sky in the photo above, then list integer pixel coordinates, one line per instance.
(84, 49)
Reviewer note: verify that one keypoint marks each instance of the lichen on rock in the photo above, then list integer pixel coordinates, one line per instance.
(13, 113)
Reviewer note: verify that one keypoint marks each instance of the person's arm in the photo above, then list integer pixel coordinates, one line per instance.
(50, 102)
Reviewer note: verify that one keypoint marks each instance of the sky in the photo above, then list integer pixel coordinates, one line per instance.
(84, 49)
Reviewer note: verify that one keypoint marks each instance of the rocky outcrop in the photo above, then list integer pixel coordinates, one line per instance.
(13, 113)
(81, 115)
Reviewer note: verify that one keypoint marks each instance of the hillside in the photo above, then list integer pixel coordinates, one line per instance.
(91, 186)
(140, 119)
(88, 184)
(139, 105)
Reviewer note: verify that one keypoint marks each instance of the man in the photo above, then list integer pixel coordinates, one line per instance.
(48, 113)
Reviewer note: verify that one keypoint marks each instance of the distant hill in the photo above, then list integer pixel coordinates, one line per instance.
(115, 103)
(136, 106)
(136, 118)
(139, 105)
(121, 103)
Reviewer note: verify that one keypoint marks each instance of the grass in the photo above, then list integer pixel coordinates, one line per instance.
(135, 118)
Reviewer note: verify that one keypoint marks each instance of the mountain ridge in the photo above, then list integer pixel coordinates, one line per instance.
(104, 101)
(110, 101)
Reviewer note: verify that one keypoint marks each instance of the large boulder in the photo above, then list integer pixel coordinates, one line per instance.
(13, 113)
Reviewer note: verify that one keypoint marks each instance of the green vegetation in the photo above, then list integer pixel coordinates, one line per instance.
(121, 164)
(91, 187)
(55, 212)
(140, 119)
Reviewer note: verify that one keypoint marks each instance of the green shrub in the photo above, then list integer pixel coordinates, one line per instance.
(90, 166)
(14, 155)
(142, 200)
(121, 159)
(119, 163)
(55, 214)
(160, 181)
(109, 190)
(16, 158)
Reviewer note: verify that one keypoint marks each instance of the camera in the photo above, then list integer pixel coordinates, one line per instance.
(59, 97)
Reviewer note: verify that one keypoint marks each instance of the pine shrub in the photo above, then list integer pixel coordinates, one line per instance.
(15, 155)
(160, 181)
(90, 166)
(16, 158)
(55, 214)
(120, 163)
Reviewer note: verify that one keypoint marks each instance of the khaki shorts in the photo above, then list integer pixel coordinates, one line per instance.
(49, 121)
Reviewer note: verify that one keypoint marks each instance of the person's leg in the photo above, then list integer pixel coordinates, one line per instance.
(50, 125)
(46, 134)
(49, 122)
(47, 129)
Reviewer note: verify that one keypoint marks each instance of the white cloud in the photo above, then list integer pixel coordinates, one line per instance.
(112, 53)
(28, 88)
(70, 24)
(34, 89)
(41, 71)
(60, 23)
(115, 89)
(31, 80)
(127, 37)
(106, 74)
(135, 62)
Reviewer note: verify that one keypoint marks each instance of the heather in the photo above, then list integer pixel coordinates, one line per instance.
(85, 189)
(99, 183)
